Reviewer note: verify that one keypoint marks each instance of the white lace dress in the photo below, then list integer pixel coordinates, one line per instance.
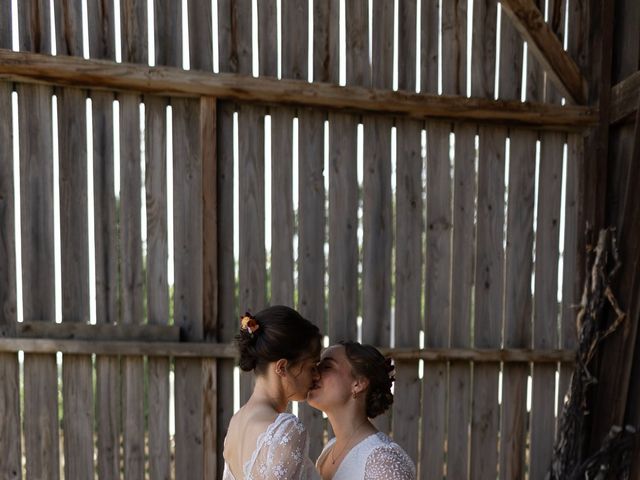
(376, 457)
(282, 453)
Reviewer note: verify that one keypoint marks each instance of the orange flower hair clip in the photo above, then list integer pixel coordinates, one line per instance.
(249, 323)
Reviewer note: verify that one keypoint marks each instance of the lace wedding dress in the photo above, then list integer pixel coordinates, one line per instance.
(374, 458)
(282, 453)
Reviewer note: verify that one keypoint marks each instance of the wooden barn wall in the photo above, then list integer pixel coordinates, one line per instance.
(401, 232)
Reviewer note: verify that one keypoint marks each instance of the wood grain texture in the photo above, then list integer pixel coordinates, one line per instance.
(326, 45)
(439, 225)
(488, 304)
(357, 43)
(382, 44)
(545, 320)
(483, 46)
(11, 466)
(167, 24)
(70, 71)
(535, 72)
(133, 28)
(511, 58)
(268, 37)
(555, 15)
(188, 301)
(624, 96)
(311, 257)
(518, 301)
(454, 47)
(407, 11)
(429, 32)
(234, 36)
(200, 35)
(462, 282)
(295, 31)
(343, 222)
(5, 25)
(157, 280)
(408, 282)
(101, 29)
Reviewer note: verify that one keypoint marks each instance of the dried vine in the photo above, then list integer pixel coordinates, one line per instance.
(612, 460)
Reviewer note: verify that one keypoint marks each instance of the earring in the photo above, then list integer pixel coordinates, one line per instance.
(355, 395)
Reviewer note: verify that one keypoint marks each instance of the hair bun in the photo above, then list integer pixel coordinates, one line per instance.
(246, 346)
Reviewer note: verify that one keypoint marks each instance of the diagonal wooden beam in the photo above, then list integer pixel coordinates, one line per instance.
(624, 97)
(546, 47)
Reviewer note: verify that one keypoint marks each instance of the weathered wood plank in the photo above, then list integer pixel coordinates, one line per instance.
(5, 25)
(407, 11)
(535, 72)
(132, 281)
(252, 274)
(200, 35)
(343, 223)
(518, 301)
(545, 320)
(511, 58)
(133, 28)
(268, 37)
(34, 68)
(234, 36)
(101, 29)
(382, 44)
(326, 41)
(311, 231)
(463, 261)
(188, 301)
(11, 466)
(454, 47)
(429, 32)
(547, 48)
(408, 281)
(167, 24)
(227, 311)
(210, 319)
(41, 434)
(437, 296)
(624, 98)
(157, 280)
(556, 21)
(295, 30)
(77, 372)
(488, 296)
(483, 46)
(357, 43)
(282, 215)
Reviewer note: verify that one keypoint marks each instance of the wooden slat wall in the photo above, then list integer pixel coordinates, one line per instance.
(77, 378)
(475, 292)
(37, 237)
(10, 436)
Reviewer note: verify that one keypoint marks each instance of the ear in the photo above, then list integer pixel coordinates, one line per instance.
(360, 384)
(281, 367)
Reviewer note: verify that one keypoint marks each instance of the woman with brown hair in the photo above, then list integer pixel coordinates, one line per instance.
(264, 441)
(355, 386)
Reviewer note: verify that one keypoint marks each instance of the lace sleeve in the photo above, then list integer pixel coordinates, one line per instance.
(389, 462)
(284, 455)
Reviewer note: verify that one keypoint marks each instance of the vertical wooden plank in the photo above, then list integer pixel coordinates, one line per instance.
(234, 36)
(36, 211)
(295, 31)
(571, 288)
(133, 25)
(11, 466)
(407, 11)
(227, 292)
(408, 282)
(102, 45)
(252, 274)
(535, 74)
(77, 371)
(483, 45)
(312, 221)
(511, 50)
(5, 25)
(268, 37)
(167, 24)
(188, 304)
(208, 142)
(343, 222)
(157, 282)
(545, 321)
(488, 304)
(326, 41)
(227, 311)
(555, 18)
(454, 47)
(200, 35)
(437, 297)
(429, 33)
(462, 281)
(382, 47)
(131, 286)
(357, 43)
(518, 302)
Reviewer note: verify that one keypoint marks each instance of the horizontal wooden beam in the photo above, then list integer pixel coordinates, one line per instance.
(546, 47)
(625, 97)
(85, 331)
(99, 74)
(228, 350)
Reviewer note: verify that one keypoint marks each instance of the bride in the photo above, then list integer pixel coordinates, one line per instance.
(354, 386)
(263, 441)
